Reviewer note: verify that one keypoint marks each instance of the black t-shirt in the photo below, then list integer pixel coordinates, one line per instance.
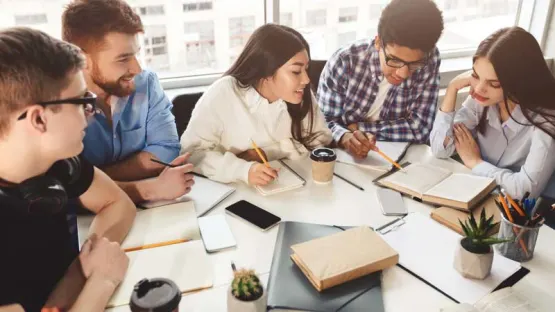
(36, 251)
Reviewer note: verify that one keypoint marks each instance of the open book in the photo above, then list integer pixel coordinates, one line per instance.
(287, 180)
(206, 194)
(185, 261)
(395, 150)
(503, 300)
(439, 186)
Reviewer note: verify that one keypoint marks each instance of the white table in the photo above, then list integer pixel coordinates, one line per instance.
(339, 203)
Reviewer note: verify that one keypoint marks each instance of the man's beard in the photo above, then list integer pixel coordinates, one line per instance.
(112, 87)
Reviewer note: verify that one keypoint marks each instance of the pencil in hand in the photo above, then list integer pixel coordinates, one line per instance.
(394, 163)
(259, 153)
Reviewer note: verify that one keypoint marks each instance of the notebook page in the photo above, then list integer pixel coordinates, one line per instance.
(205, 194)
(427, 249)
(287, 180)
(151, 226)
(418, 177)
(460, 187)
(505, 300)
(187, 264)
(374, 161)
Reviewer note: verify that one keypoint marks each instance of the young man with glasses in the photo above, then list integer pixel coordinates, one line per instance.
(135, 123)
(43, 105)
(387, 88)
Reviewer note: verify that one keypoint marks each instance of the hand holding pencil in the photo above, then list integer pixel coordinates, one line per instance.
(261, 173)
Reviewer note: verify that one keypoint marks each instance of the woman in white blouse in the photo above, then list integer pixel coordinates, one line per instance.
(265, 96)
(504, 129)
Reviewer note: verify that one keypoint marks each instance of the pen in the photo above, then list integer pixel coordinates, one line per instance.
(536, 206)
(162, 163)
(259, 153)
(173, 166)
(353, 184)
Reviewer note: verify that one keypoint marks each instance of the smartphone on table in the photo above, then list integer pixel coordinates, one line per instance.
(391, 202)
(255, 215)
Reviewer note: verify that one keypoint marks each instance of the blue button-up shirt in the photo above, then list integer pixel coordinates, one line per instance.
(143, 121)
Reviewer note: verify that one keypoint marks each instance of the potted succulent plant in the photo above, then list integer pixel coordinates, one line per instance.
(246, 293)
(474, 255)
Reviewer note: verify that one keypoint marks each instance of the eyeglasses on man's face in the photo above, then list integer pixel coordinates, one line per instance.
(397, 63)
(88, 101)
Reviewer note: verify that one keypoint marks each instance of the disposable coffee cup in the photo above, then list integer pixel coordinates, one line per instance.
(155, 295)
(323, 164)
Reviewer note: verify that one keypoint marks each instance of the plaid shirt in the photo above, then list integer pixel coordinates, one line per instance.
(349, 85)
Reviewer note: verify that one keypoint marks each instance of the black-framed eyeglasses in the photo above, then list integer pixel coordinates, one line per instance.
(88, 101)
(397, 63)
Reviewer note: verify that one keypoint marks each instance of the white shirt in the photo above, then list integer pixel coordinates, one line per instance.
(376, 108)
(225, 119)
(519, 157)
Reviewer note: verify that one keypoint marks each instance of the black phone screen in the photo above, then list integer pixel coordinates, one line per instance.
(253, 214)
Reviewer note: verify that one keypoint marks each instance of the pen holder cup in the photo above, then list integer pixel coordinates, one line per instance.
(522, 249)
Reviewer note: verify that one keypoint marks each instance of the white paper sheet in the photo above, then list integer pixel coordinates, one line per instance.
(427, 249)
(205, 194)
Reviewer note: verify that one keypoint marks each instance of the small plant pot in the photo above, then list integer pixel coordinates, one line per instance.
(236, 305)
(473, 265)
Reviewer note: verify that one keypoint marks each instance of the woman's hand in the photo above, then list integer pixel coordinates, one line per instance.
(259, 174)
(466, 146)
(461, 81)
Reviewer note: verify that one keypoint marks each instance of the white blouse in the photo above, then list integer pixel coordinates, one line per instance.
(225, 119)
(520, 157)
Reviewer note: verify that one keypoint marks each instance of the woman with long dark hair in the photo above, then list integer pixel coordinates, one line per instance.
(265, 97)
(504, 129)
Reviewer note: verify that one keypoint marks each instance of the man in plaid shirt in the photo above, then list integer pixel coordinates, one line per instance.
(386, 88)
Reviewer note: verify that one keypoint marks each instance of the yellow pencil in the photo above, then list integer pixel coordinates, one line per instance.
(390, 160)
(172, 242)
(259, 153)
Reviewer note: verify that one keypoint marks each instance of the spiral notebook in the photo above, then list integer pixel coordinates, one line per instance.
(287, 180)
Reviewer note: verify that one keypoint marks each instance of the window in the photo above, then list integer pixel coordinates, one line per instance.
(348, 14)
(175, 49)
(240, 29)
(376, 10)
(286, 19)
(346, 38)
(30, 19)
(156, 48)
(316, 17)
(200, 51)
(467, 22)
(151, 10)
(191, 6)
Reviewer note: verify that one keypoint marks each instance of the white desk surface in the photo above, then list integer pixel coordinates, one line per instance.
(339, 203)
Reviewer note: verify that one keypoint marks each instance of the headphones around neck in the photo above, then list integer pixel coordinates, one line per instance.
(44, 194)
